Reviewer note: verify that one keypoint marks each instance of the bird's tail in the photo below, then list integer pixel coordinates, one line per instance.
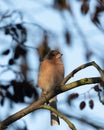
(54, 117)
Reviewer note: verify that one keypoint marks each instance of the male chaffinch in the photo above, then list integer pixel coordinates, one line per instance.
(50, 75)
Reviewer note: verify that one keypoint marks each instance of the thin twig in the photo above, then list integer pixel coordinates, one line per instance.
(71, 125)
(99, 69)
(84, 120)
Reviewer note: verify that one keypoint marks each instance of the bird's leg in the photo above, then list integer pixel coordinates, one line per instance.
(43, 95)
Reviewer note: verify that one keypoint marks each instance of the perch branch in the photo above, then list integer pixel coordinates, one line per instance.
(42, 100)
(80, 82)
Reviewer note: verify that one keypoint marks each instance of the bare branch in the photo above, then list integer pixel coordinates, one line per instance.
(64, 87)
(82, 67)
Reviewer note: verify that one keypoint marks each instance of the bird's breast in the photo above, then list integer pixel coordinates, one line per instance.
(50, 75)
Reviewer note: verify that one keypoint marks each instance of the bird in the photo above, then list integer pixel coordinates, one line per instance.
(50, 76)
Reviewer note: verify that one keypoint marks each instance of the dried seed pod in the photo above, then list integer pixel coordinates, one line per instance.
(82, 105)
(96, 88)
(91, 103)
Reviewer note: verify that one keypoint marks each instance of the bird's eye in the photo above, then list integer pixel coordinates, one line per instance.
(54, 53)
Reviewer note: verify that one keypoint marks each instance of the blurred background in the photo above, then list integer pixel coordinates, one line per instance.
(29, 29)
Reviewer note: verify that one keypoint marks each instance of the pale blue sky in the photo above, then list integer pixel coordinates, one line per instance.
(72, 56)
